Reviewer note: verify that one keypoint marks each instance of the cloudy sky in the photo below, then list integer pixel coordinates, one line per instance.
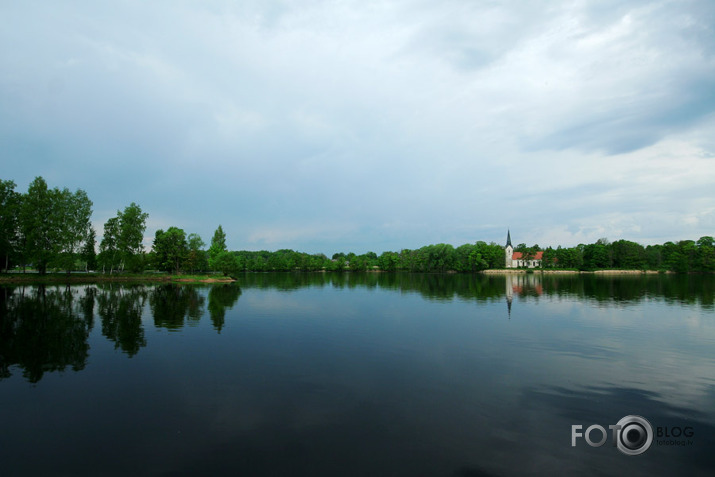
(327, 126)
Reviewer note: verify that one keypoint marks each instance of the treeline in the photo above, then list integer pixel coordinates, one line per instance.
(431, 258)
(682, 257)
(50, 229)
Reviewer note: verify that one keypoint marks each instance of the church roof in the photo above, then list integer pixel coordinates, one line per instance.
(520, 256)
(508, 238)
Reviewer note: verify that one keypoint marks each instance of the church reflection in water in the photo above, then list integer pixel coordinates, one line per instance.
(523, 285)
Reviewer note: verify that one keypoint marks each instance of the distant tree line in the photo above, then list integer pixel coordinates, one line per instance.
(51, 229)
(682, 256)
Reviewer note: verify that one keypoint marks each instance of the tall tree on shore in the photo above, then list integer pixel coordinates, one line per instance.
(170, 249)
(218, 245)
(109, 246)
(132, 224)
(38, 225)
(89, 254)
(9, 210)
(72, 213)
(196, 257)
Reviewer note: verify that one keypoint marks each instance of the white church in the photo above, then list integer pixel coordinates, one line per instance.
(517, 259)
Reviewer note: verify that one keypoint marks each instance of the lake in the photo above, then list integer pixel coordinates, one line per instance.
(369, 374)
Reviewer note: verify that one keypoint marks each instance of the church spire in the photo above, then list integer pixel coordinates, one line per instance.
(508, 238)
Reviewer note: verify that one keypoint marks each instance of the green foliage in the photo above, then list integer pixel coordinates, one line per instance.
(132, 224)
(51, 228)
(89, 254)
(52, 224)
(388, 261)
(628, 255)
(227, 263)
(170, 249)
(37, 225)
(9, 223)
(109, 247)
(218, 245)
(706, 254)
(597, 255)
(122, 242)
(196, 258)
(72, 213)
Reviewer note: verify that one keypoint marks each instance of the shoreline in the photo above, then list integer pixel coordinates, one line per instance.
(55, 279)
(508, 271)
(62, 278)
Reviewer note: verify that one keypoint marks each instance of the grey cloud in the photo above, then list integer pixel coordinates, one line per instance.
(392, 124)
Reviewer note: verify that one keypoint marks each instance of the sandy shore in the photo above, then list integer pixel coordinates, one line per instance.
(508, 271)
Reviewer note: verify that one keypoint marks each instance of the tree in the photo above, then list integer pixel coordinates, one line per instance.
(227, 263)
(388, 261)
(628, 255)
(89, 254)
(476, 262)
(9, 210)
(72, 213)
(170, 249)
(597, 255)
(132, 224)
(491, 253)
(654, 256)
(706, 253)
(196, 257)
(109, 248)
(218, 245)
(38, 225)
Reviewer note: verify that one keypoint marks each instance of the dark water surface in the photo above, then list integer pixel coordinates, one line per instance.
(357, 375)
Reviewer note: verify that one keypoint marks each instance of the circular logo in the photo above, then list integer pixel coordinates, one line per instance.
(634, 436)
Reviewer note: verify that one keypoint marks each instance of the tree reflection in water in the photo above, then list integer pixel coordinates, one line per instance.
(120, 308)
(42, 329)
(172, 304)
(221, 298)
(45, 329)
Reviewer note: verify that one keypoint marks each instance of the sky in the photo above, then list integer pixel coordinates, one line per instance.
(329, 126)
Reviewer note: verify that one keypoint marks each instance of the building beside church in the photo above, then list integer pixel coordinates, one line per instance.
(517, 259)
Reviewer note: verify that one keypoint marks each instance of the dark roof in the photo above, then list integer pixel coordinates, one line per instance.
(508, 238)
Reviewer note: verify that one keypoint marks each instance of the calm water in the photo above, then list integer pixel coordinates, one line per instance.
(356, 375)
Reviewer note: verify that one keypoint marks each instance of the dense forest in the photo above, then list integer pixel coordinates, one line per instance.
(50, 229)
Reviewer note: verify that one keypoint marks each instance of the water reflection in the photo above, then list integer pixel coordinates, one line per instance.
(355, 374)
(46, 329)
(121, 309)
(43, 330)
(698, 289)
(172, 305)
(221, 298)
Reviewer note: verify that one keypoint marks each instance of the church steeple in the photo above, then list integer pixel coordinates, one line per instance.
(508, 251)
